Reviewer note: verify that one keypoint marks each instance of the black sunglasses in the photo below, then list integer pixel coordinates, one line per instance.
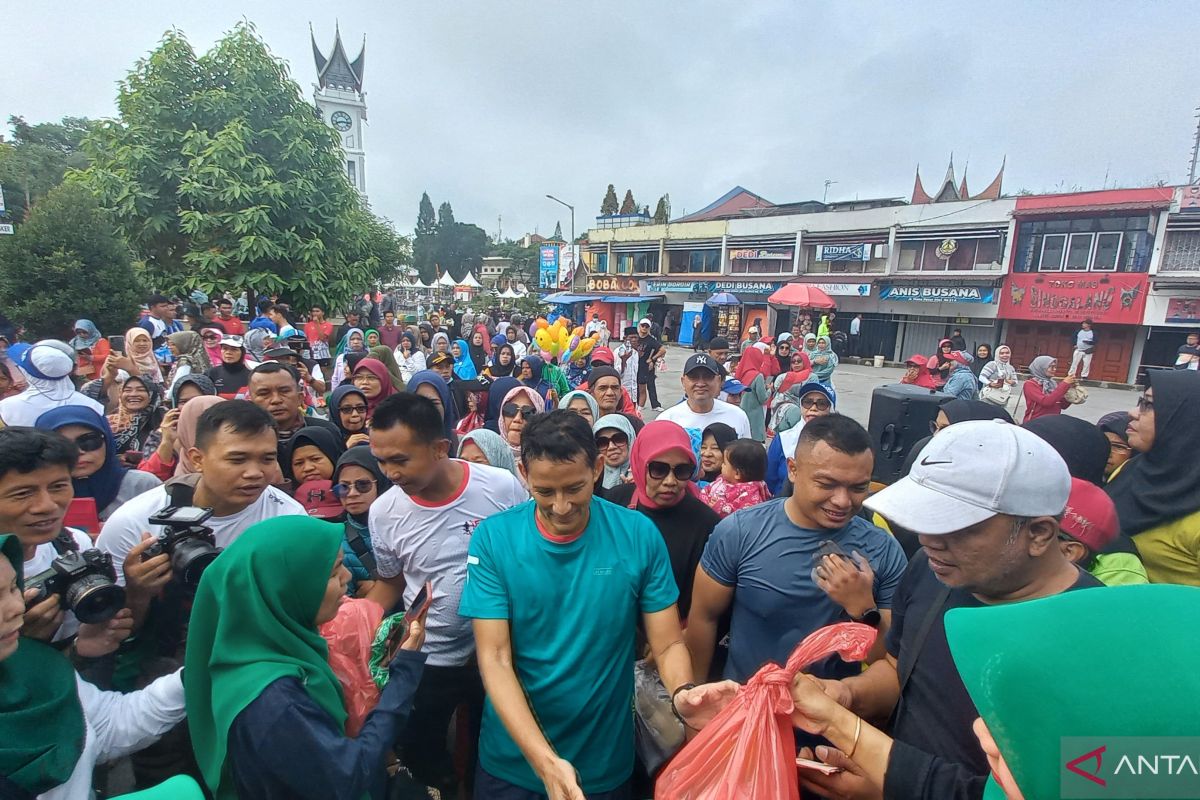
(362, 486)
(355, 409)
(618, 438)
(90, 442)
(819, 403)
(512, 409)
(658, 470)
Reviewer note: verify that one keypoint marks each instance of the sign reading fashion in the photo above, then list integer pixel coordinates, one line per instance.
(1119, 298)
(614, 284)
(711, 287)
(760, 255)
(844, 289)
(844, 252)
(937, 294)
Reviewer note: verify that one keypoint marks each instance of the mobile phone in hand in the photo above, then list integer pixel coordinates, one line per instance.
(420, 603)
(828, 548)
(117, 343)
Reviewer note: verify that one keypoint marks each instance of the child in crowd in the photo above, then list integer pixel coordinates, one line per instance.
(742, 482)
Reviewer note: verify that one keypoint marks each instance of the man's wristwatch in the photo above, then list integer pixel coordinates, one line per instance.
(870, 617)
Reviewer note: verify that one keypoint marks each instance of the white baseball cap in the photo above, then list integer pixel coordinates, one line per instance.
(644, 321)
(230, 340)
(972, 471)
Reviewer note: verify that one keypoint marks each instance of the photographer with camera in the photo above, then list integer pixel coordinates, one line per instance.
(65, 576)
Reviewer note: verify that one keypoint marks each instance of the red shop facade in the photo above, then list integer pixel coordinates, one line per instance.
(1044, 313)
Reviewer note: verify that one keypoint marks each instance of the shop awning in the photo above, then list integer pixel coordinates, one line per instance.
(568, 297)
(631, 298)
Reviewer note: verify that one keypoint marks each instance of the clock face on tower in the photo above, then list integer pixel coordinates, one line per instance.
(341, 121)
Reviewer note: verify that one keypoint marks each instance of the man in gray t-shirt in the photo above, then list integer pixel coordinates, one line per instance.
(766, 561)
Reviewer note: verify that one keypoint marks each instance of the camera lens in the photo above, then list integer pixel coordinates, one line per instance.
(95, 598)
(191, 557)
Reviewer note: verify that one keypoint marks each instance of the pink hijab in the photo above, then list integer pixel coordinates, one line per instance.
(185, 430)
(657, 438)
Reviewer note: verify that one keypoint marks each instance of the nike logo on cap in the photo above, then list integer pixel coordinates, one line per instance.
(925, 462)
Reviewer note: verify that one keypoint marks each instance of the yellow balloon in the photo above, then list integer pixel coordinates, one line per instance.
(585, 347)
(542, 337)
(541, 323)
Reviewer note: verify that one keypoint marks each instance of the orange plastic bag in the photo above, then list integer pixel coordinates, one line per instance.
(748, 751)
(349, 636)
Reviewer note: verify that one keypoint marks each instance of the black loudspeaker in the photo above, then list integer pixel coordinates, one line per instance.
(900, 417)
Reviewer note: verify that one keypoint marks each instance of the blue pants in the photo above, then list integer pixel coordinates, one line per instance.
(489, 787)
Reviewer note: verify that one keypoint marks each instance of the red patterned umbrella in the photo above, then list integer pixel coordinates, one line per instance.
(804, 295)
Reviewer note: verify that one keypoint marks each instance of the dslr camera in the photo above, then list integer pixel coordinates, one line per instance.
(190, 544)
(85, 582)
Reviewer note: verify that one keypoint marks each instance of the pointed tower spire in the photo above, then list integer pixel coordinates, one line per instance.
(963, 194)
(919, 196)
(992, 192)
(948, 190)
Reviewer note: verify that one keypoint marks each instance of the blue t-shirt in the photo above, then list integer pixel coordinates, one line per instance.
(572, 611)
(768, 560)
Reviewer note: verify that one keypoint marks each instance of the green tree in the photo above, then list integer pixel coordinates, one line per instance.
(662, 211)
(423, 255)
(608, 206)
(459, 247)
(445, 215)
(66, 261)
(627, 205)
(37, 158)
(222, 176)
(524, 267)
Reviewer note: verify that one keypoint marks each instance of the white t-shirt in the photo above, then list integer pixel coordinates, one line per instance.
(429, 543)
(123, 530)
(43, 557)
(695, 423)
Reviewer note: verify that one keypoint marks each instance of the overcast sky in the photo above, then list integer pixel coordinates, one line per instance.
(492, 105)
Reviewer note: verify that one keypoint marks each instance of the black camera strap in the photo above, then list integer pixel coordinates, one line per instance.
(64, 543)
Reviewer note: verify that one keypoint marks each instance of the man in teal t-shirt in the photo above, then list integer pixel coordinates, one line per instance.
(556, 587)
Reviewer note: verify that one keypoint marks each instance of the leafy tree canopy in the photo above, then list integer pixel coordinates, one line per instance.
(609, 206)
(627, 205)
(37, 158)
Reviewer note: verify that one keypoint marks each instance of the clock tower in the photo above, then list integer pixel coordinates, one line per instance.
(342, 103)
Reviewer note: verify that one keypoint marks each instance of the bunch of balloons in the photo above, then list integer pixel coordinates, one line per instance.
(559, 342)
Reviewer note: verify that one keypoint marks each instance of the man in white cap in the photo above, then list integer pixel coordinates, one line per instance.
(985, 500)
(47, 368)
(650, 350)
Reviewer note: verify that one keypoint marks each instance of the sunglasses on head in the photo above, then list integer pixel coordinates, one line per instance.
(362, 486)
(512, 409)
(618, 438)
(90, 442)
(819, 403)
(658, 470)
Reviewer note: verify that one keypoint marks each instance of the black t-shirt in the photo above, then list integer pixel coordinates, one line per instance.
(647, 347)
(935, 713)
(229, 380)
(685, 528)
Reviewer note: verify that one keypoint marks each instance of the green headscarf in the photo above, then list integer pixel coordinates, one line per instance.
(1086, 663)
(41, 719)
(253, 622)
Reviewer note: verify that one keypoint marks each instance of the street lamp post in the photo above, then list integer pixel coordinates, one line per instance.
(572, 208)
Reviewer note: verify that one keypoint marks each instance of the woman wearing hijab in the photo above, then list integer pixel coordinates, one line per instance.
(374, 381)
(1157, 492)
(1115, 427)
(348, 410)
(520, 405)
(55, 728)
(139, 356)
(962, 382)
(531, 372)
(257, 665)
(372, 338)
(48, 385)
(1043, 394)
(440, 343)
(713, 441)
(211, 337)
(464, 367)
(384, 355)
(1080, 443)
(178, 436)
(815, 400)
(983, 357)
(754, 399)
(796, 373)
(662, 464)
(582, 404)
(482, 446)
(477, 349)
(496, 392)
(310, 455)
(352, 342)
(614, 439)
(783, 352)
(357, 483)
(430, 385)
(824, 363)
(425, 333)
(997, 379)
(187, 348)
(504, 361)
(139, 413)
(409, 356)
(91, 350)
(99, 472)
(232, 375)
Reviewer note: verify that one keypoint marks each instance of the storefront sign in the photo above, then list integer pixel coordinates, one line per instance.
(612, 284)
(1183, 310)
(760, 255)
(844, 289)
(844, 252)
(711, 287)
(548, 267)
(937, 294)
(1114, 299)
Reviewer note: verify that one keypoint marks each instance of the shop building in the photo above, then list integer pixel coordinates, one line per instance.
(1085, 255)
(1173, 304)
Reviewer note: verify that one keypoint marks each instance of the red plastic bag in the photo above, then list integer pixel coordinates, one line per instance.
(748, 751)
(349, 636)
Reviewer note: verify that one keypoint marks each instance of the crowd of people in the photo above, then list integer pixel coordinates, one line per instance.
(192, 515)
